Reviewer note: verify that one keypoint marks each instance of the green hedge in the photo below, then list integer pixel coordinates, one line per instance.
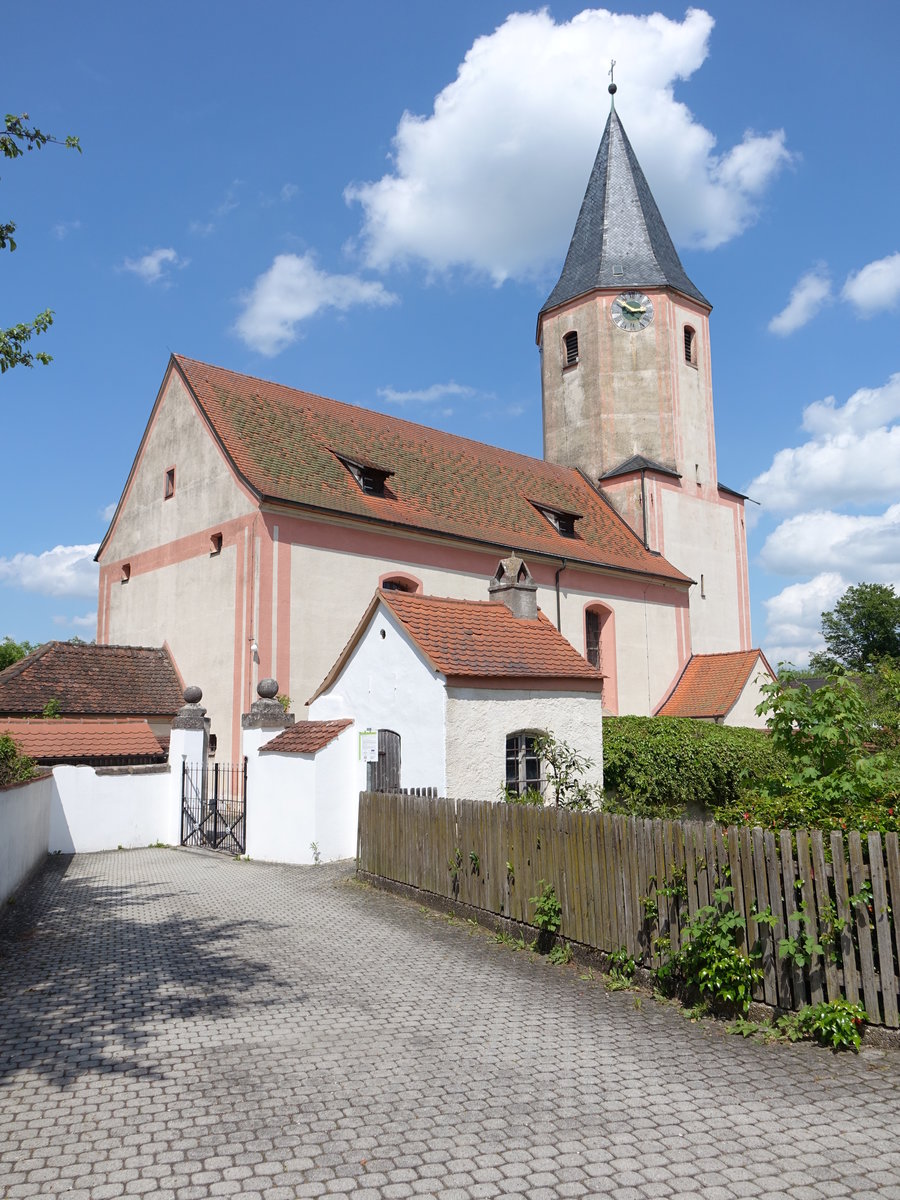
(672, 766)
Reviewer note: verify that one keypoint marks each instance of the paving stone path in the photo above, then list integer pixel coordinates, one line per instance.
(179, 1025)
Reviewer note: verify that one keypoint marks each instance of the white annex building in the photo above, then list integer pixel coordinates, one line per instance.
(257, 520)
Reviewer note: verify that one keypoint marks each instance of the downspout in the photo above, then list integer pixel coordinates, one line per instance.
(562, 567)
(644, 505)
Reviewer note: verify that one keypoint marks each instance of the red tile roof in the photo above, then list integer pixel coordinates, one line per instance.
(307, 737)
(710, 684)
(287, 445)
(72, 740)
(470, 641)
(88, 680)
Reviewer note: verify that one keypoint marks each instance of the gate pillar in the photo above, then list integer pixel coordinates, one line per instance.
(188, 742)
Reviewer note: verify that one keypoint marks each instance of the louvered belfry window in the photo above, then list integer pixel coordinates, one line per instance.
(689, 344)
(570, 345)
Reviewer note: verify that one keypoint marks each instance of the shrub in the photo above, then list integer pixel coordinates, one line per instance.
(832, 777)
(14, 767)
(660, 766)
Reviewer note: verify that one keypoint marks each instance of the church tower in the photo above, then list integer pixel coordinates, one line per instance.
(627, 390)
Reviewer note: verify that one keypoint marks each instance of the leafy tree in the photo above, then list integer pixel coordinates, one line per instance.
(11, 652)
(16, 138)
(861, 629)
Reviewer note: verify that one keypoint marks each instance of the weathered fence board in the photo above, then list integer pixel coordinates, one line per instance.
(632, 884)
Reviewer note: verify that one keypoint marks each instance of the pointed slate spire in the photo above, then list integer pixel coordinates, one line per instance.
(620, 239)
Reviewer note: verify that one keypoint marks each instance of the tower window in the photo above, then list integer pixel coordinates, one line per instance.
(215, 544)
(169, 487)
(570, 348)
(690, 346)
(125, 574)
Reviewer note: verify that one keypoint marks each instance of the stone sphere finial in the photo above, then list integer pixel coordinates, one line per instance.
(267, 688)
(192, 694)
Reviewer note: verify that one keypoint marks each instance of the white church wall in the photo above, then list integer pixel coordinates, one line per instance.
(191, 605)
(387, 684)
(480, 719)
(700, 540)
(206, 493)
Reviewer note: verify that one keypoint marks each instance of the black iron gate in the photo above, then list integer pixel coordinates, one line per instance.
(214, 806)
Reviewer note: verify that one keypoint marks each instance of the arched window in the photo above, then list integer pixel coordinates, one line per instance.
(396, 582)
(690, 345)
(523, 766)
(600, 649)
(570, 349)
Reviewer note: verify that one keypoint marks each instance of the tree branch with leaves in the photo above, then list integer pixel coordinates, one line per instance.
(17, 138)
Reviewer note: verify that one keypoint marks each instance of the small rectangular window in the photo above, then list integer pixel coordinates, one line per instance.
(126, 572)
(170, 484)
(215, 544)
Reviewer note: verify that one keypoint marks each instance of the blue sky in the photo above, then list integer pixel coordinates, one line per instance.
(372, 202)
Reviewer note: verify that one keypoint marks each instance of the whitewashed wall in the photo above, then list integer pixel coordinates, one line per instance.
(388, 684)
(92, 811)
(479, 720)
(24, 831)
(297, 800)
(744, 710)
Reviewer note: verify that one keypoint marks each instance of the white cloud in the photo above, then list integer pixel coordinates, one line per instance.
(875, 286)
(492, 178)
(109, 511)
(863, 547)
(62, 571)
(202, 228)
(294, 289)
(809, 294)
(87, 621)
(853, 456)
(793, 618)
(153, 267)
(429, 395)
(288, 191)
(62, 229)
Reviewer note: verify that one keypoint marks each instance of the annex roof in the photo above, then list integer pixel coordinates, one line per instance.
(479, 642)
(307, 737)
(89, 680)
(710, 684)
(620, 239)
(288, 445)
(71, 741)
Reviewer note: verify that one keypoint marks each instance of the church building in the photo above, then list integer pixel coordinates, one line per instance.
(258, 520)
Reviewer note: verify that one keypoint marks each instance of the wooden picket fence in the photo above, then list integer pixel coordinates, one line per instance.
(629, 883)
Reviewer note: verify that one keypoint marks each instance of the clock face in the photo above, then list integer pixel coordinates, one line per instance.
(632, 311)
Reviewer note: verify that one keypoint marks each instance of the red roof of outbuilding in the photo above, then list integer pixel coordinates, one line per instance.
(288, 445)
(73, 740)
(710, 684)
(470, 641)
(307, 737)
(89, 680)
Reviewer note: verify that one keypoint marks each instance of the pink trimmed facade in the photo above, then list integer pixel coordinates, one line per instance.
(296, 584)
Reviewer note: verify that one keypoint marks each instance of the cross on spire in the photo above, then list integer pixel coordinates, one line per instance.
(612, 83)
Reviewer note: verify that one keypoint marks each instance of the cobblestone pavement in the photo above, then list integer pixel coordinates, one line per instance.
(179, 1025)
